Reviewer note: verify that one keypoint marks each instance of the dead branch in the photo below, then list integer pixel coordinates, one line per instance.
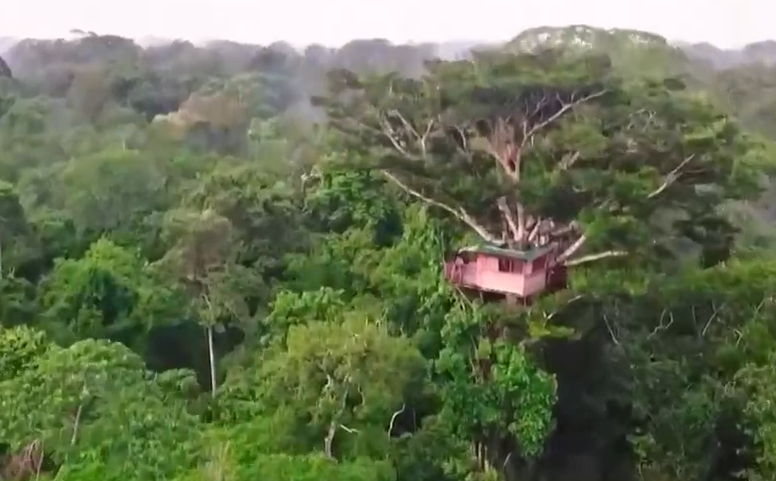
(671, 178)
(460, 213)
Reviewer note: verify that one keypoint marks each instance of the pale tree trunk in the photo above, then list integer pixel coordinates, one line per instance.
(328, 442)
(212, 359)
(210, 349)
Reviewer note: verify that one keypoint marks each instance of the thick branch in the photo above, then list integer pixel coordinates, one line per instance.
(576, 246)
(459, 213)
(561, 231)
(516, 224)
(535, 228)
(594, 257)
(572, 249)
(521, 221)
(672, 177)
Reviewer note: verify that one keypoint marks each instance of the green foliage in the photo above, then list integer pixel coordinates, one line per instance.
(21, 347)
(96, 407)
(493, 385)
(206, 277)
(109, 293)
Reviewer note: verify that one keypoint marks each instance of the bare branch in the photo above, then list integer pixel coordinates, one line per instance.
(565, 108)
(516, 224)
(572, 249)
(459, 213)
(711, 319)
(535, 228)
(76, 425)
(672, 177)
(528, 133)
(426, 133)
(501, 141)
(611, 331)
(661, 326)
(521, 221)
(348, 430)
(393, 418)
(506, 462)
(569, 160)
(405, 123)
(390, 134)
(563, 258)
(594, 257)
(557, 232)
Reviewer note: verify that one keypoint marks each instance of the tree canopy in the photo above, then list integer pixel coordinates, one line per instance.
(225, 262)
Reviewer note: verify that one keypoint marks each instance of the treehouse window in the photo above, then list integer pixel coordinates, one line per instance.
(509, 265)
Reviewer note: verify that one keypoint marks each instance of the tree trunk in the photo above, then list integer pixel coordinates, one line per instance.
(328, 442)
(212, 359)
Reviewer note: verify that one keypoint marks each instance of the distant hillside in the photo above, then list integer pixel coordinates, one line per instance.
(760, 52)
(633, 46)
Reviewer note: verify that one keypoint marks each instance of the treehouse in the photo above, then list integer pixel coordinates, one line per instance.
(509, 272)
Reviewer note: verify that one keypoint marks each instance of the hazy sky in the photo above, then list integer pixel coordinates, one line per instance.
(725, 23)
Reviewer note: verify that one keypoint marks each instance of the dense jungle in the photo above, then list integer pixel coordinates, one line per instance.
(224, 262)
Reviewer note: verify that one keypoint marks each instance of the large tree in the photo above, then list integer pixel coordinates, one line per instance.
(536, 148)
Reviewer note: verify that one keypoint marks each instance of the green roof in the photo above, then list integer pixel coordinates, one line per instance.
(523, 255)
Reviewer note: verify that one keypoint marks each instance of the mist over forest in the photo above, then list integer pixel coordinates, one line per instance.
(226, 262)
